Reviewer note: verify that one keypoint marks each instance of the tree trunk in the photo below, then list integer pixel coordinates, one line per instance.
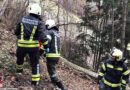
(112, 44)
(58, 20)
(88, 72)
(4, 5)
(124, 6)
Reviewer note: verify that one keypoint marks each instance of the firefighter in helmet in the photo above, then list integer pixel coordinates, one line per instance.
(29, 30)
(113, 74)
(52, 52)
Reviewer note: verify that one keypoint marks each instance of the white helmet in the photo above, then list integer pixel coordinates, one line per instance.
(118, 54)
(50, 23)
(35, 9)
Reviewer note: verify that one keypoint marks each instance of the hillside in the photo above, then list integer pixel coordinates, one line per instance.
(66, 14)
(72, 79)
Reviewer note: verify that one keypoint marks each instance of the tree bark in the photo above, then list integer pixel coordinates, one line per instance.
(88, 72)
(112, 44)
(124, 6)
(58, 20)
(2, 9)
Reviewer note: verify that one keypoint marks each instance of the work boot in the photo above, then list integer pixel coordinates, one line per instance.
(60, 85)
(35, 83)
(19, 71)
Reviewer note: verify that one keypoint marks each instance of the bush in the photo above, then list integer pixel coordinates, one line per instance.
(75, 52)
(13, 12)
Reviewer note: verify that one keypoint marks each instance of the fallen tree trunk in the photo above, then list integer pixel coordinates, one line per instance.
(88, 72)
(2, 9)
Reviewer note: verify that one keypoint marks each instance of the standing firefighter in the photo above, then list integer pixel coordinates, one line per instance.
(113, 74)
(29, 30)
(52, 52)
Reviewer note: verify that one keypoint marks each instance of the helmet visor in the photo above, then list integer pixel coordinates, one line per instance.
(116, 58)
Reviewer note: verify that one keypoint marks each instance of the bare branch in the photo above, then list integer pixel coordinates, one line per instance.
(4, 5)
(71, 23)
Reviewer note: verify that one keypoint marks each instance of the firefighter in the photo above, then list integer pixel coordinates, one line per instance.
(29, 30)
(113, 74)
(53, 52)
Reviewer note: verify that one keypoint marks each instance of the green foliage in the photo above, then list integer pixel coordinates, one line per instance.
(110, 3)
(101, 40)
(6, 62)
(11, 67)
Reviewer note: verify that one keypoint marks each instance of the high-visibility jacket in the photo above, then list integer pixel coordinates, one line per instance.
(53, 44)
(114, 73)
(29, 30)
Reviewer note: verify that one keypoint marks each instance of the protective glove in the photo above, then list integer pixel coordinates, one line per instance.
(123, 87)
(47, 50)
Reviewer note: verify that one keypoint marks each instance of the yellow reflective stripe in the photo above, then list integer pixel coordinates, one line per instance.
(123, 81)
(101, 74)
(110, 66)
(56, 45)
(26, 45)
(111, 84)
(126, 72)
(19, 67)
(52, 55)
(119, 68)
(103, 66)
(35, 79)
(45, 43)
(33, 32)
(42, 47)
(22, 31)
(28, 42)
(36, 75)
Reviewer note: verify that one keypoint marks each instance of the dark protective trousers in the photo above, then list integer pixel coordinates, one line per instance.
(103, 86)
(34, 61)
(51, 67)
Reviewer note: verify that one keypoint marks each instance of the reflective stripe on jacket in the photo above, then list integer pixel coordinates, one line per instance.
(53, 44)
(113, 73)
(29, 30)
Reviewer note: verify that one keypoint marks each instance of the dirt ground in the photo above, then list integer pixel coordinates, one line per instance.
(72, 79)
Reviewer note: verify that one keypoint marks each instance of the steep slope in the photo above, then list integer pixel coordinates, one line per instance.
(72, 79)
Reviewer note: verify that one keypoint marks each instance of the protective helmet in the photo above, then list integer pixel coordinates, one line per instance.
(35, 9)
(50, 23)
(117, 54)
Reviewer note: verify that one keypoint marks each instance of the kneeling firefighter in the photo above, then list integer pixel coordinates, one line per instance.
(29, 30)
(113, 74)
(52, 52)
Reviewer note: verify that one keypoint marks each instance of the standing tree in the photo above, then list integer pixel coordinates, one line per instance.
(104, 20)
(124, 6)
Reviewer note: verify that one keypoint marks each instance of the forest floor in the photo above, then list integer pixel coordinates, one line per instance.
(72, 79)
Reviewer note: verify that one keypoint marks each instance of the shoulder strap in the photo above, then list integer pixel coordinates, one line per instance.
(32, 34)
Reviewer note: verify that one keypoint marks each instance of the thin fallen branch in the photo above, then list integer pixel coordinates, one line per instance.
(68, 24)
